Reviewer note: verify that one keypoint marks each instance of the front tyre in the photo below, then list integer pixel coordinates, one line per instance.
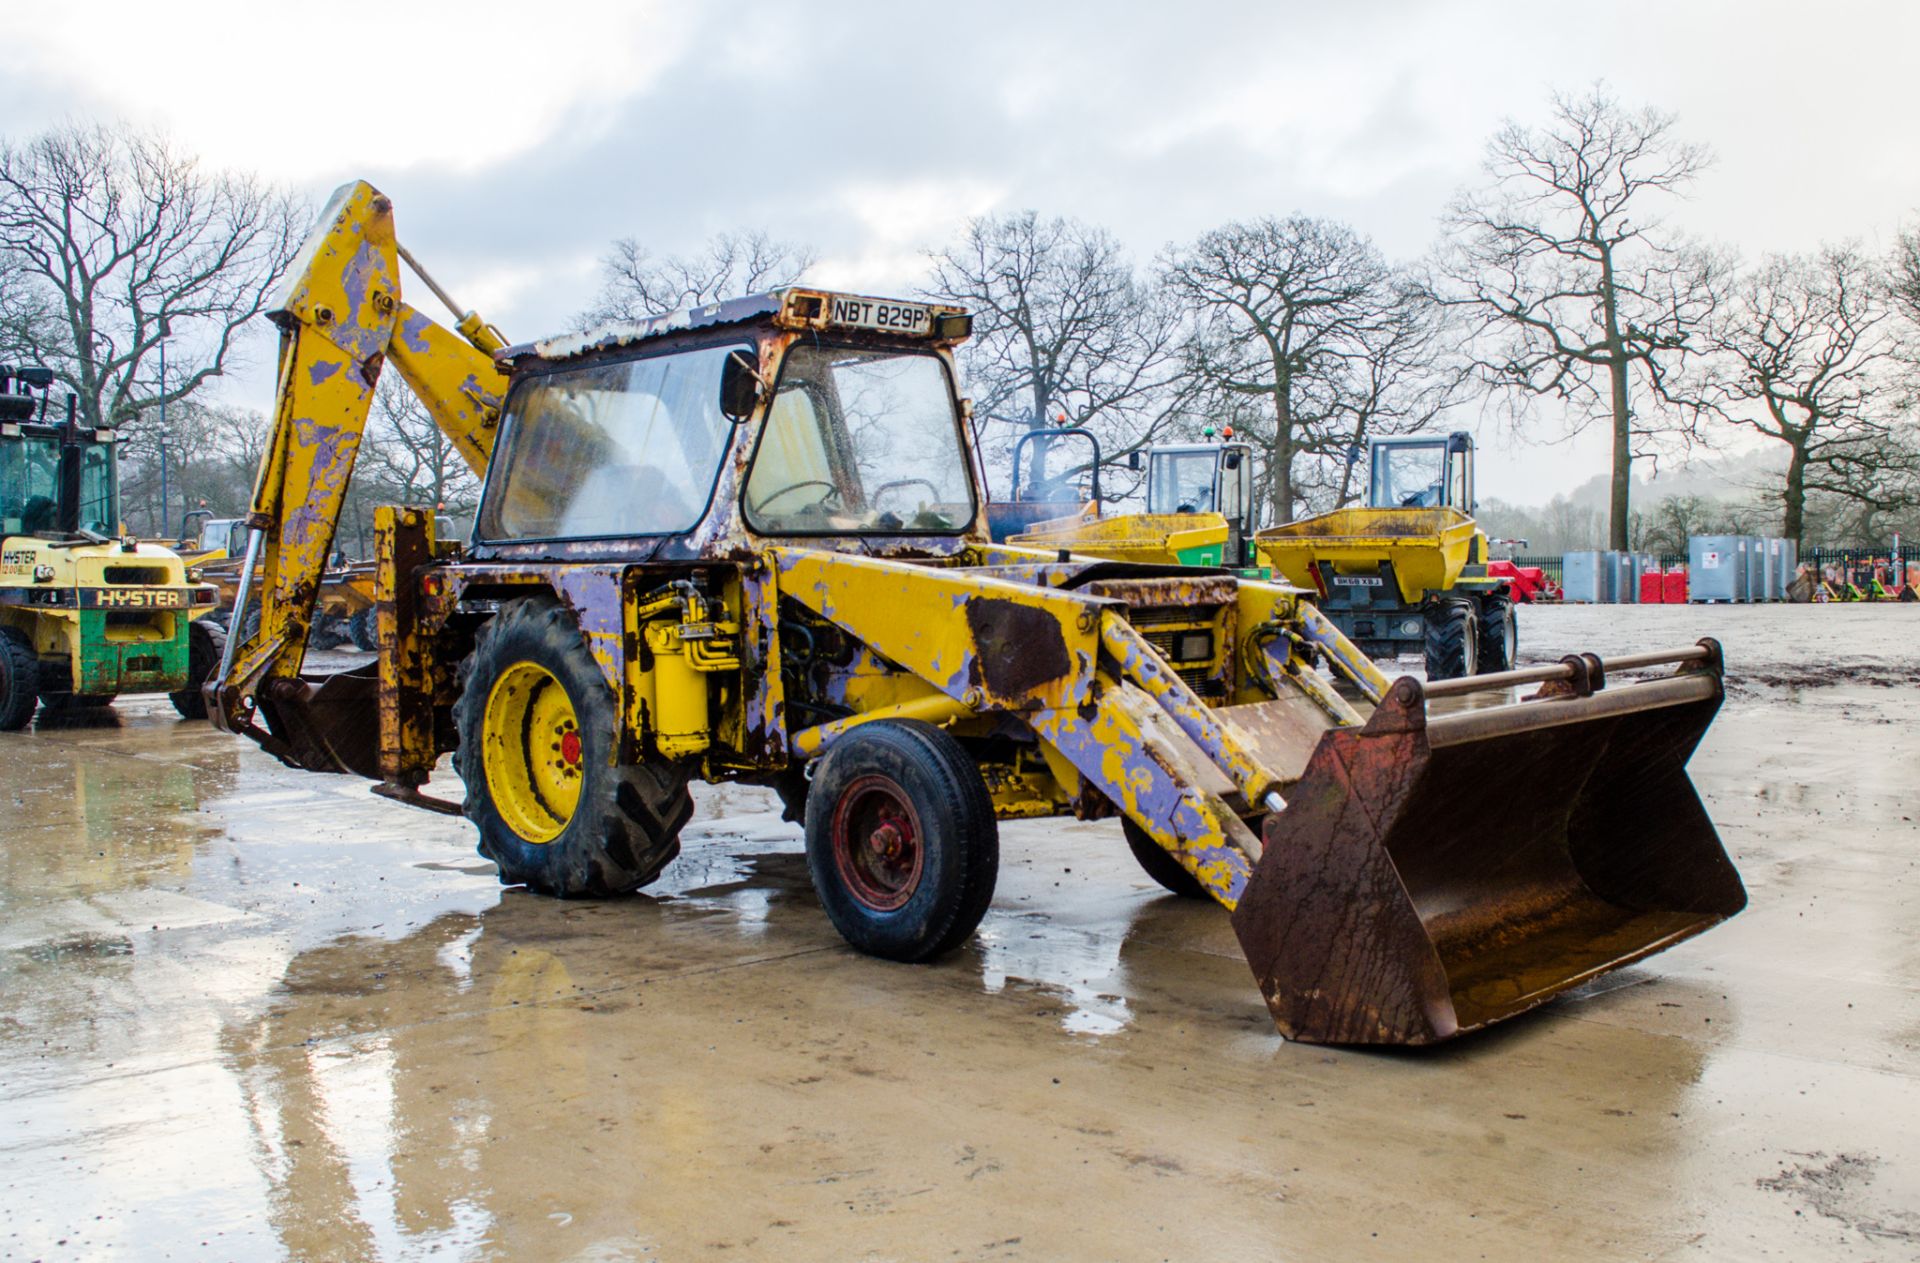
(538, 732)
(206, 643)
(1453, 638)
(1499, 635)
(19, 680)
(901, 840)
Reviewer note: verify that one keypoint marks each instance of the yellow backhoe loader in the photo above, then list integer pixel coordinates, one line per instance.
(748, 542)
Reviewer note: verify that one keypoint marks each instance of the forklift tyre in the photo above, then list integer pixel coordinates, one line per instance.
(538, 732)
(206, 642)
(1499, 634)
(1453, 638)
(1159, 865)
(19, 680)
(901, 840)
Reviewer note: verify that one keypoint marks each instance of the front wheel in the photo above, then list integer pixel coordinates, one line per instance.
(1499, 635)
(206, 643)
(901, 840)
(1453, 639)
(19, 680)
(539, 739)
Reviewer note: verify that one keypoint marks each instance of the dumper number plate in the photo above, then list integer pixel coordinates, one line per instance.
(871, 313)
(1358, 581)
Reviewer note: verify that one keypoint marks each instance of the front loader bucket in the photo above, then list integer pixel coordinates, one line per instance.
(1430, 876)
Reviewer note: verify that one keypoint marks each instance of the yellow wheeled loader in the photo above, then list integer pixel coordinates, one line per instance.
(748, 542)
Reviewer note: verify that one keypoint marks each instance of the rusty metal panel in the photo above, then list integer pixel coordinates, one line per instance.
(403, 543)
(919, 617)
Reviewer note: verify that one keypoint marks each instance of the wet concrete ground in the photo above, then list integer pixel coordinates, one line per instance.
(254, 1014)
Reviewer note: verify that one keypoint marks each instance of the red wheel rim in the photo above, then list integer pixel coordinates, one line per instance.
(877, 844)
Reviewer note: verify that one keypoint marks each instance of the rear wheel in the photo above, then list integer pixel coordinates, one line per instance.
(206, 642)
(19, 680)
(1159, 865)
(1499, 634)
(901, 840)
(538, 744)
(1453, 638)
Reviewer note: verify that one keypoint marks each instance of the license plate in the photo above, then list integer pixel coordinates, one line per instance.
(883, 317)
(1357, 581)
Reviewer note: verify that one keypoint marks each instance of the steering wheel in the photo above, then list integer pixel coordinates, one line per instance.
(770, 497)
(885, 487)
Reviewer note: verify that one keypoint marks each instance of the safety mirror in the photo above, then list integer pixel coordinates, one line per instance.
(739, 386)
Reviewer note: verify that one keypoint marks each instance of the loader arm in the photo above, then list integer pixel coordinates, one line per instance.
(342, 320)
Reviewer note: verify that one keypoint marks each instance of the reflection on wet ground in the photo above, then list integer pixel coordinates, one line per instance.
(249, 1013)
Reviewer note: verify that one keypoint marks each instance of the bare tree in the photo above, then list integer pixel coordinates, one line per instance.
(635, 284)
(409, 459)
(1576, 291)
(113, 241)
(1802, 354)
(1064, 330)
(1310, 344)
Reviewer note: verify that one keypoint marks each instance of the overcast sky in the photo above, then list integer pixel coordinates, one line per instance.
(517, 140)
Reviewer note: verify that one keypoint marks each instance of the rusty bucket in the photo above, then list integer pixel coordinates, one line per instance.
(1432, 875)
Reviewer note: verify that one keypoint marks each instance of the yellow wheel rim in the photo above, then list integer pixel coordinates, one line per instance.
(532, 752)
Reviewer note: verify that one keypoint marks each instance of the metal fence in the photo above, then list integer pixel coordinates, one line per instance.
(1821, 558)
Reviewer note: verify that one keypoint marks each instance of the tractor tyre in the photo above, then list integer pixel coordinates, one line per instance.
(362, 632)
(1159, 865)
(902, 842)
(206, 643)
(538, 745)
(19, 680)
(1453, 638)
(1499, 634)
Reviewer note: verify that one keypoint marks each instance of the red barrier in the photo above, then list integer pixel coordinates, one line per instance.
(1653, 587)
(1675, 583)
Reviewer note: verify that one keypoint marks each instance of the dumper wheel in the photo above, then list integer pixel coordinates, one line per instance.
(901, 840)
(538, 730)
(1499, 634)
(19, 680)
(1159, 865)
(1453, 638)
(362, 632)
(206, 642)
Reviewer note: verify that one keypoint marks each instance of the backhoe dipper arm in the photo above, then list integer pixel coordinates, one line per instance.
(341, 321)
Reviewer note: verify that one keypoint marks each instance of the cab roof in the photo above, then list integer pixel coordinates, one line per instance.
(793, 307)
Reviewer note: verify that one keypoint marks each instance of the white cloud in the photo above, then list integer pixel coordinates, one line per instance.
(294, 91)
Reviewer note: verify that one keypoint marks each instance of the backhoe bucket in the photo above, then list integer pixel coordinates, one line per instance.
(1433, 875)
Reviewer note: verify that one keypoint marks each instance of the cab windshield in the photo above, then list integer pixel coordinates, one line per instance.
(860, 441)
(1409, 475)
(1181, 482)
(30, 483)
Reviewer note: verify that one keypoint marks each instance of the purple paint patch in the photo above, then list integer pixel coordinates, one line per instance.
(321, 370)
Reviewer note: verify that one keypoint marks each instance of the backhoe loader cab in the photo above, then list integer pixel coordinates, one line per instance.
(748, 542)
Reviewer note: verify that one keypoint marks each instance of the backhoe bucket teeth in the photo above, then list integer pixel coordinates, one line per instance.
(1432, 876)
